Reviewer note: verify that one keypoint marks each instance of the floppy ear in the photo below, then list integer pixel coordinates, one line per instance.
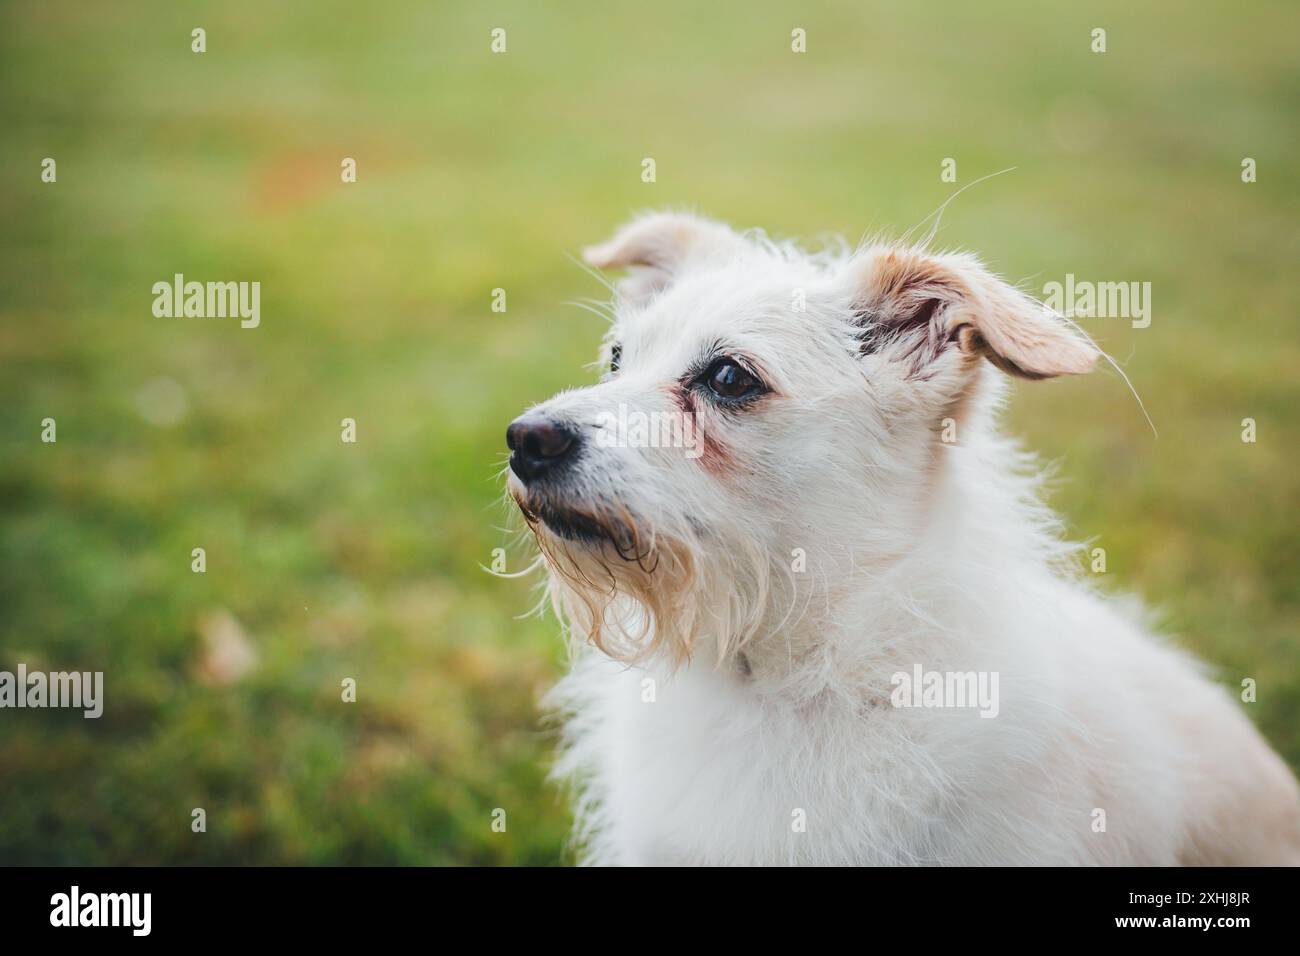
(923, 306)
(656, 247)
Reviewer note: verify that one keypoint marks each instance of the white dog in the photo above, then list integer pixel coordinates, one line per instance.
(829, 622)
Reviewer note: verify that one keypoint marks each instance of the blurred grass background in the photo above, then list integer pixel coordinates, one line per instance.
(478, 171)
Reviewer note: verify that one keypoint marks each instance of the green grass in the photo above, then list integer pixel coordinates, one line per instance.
(479, 171)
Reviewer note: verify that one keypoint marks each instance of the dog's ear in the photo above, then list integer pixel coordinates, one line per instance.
(923, 306)
(657, 247)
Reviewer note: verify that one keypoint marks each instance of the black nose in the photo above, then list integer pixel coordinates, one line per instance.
(538, 444)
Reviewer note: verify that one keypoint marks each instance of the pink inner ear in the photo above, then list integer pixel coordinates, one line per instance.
(905, 300)
(906, 289)
(922, 318)
(931, 301)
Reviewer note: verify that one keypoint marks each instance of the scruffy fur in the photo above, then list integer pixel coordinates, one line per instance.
(730, 703)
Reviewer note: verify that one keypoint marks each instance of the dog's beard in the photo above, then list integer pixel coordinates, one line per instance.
(637, 591)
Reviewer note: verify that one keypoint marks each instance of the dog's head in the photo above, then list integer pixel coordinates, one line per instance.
(765, 416)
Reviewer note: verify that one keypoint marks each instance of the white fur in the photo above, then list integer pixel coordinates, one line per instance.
(772, 687)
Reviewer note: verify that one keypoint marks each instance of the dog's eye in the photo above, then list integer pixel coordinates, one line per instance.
(615, 357)
(726, 379)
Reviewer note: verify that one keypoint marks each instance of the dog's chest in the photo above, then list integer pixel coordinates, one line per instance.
(698, 768)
